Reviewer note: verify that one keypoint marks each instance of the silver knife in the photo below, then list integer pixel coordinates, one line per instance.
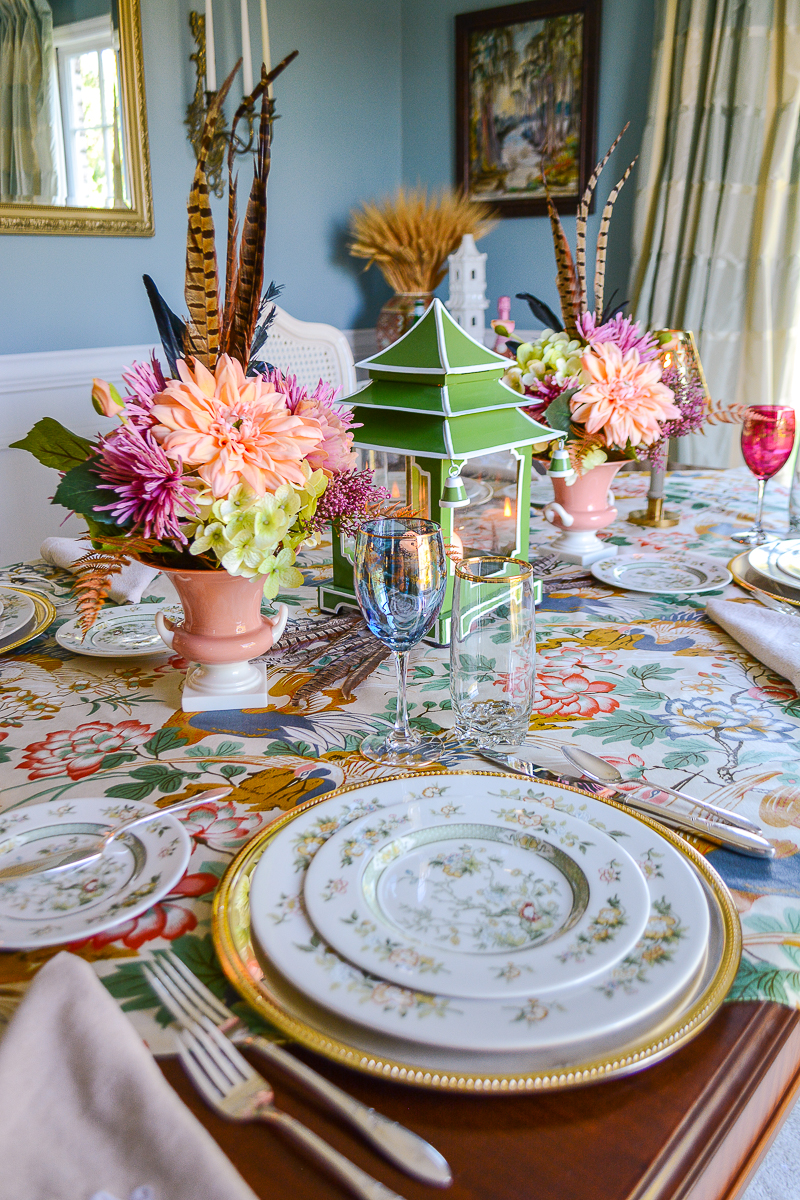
(741, 841)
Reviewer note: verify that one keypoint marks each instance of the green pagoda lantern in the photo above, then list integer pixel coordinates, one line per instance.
(445, 435)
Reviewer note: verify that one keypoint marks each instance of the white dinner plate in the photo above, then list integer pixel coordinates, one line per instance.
(772, 560)
(127, 631)
(459, 897)
(642, 986)
(133, 874)
(17, 611)
(656, 574)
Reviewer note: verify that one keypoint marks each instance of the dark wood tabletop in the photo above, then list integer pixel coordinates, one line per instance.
(693, 1127)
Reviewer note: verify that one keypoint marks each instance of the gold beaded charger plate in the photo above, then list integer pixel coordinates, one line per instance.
(748, 578)
(40, 611)
(405, 1059)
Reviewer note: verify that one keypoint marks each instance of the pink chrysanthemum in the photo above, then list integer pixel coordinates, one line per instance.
(233, 428)
(335, 420)
(625, 401)
(622, 332)
(144, 380)
(151, 492)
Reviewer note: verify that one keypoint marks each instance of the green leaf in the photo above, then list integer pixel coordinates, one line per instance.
(679, 760)
(129, 985)
(232, 769)
(199, 752)
(5, 753)
(652, 671)
(300, 749)
(557, 414)
(226, 749)
(131, 791)
(165, 739)
(151, 771)
(634, 727)
(114, 760)
(80, 492)
(55, 446)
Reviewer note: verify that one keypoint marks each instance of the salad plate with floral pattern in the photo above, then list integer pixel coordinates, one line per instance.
(662, 574)
(778, 561)
(133, 874)
(464, 898)
(125, 631)
(664, 964)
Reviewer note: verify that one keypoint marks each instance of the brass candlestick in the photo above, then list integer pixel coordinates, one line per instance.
(655, 515)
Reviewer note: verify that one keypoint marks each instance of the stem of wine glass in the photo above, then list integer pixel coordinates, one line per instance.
(402, 729)
(762, 485)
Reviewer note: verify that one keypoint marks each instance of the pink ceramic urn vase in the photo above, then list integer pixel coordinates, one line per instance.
(580, 509)
(222, 629)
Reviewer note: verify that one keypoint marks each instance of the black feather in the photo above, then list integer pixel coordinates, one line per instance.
(262, 329)
(541, 311)
(611, 310)
(513, 346)
(259, 367)
(171, 329)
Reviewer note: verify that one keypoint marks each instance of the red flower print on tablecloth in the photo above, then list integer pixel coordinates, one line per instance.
(576, 657)
(79, 752)
(779, 692)
(169, 919)
(219, 826)
(573, 695)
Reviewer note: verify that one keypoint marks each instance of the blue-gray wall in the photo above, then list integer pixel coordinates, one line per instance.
(520, 250)
(368, 103)
(337, 141)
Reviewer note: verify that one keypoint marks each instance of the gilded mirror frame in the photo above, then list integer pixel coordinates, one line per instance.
(137, 221)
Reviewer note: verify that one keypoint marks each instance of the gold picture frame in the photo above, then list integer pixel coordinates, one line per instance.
(136, 221)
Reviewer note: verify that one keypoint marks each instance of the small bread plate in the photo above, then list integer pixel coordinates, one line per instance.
(655, 999)
(133, 874)
(125, 631)
(662, 574)
(470, 902)
(24, 616)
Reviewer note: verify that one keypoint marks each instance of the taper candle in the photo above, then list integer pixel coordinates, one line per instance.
(247, 57)
(211, 62)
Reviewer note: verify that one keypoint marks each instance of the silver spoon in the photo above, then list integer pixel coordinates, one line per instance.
(52, 864)
(602, 772)
(741, 841)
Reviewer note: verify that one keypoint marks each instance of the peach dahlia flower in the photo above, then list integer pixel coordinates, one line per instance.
(232, 428)
(625, 399)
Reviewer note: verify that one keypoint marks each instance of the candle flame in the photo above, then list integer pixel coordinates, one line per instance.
(507, 508)
(395, 491)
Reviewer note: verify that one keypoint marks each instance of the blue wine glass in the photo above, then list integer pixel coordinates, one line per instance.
(400, 579)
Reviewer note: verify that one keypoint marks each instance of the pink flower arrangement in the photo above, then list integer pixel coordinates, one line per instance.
(625, 402)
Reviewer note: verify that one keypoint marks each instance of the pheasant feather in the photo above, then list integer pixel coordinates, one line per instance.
(566, 279)
(602, 242)
(201, 289)
(583, 213)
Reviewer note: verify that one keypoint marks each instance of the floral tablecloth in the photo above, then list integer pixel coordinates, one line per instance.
(647, 681)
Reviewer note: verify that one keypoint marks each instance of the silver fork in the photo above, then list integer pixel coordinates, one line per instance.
(229, 1085)
(188, 1000)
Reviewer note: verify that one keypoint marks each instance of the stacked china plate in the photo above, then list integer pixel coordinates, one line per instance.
(23, 616)
(773, 568)
(472, 930)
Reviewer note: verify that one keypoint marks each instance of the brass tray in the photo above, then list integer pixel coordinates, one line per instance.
(752, 581)
(43, 616)
(287, 1009)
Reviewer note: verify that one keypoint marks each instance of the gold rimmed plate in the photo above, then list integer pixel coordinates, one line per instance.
(346, 1041)
(44, 613)
(748, 578)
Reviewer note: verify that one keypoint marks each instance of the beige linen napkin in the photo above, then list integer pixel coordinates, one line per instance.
(85, 1110)
(771, 637)
(127, 587)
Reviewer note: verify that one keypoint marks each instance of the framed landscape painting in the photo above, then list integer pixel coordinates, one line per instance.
(526, 90)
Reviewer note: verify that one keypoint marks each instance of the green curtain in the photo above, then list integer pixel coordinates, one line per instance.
(28, 103)
(716, 220)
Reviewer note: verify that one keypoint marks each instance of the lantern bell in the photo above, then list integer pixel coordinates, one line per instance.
(454, 493)
(560, 465)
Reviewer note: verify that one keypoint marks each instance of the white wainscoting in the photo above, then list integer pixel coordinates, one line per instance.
(58, 384)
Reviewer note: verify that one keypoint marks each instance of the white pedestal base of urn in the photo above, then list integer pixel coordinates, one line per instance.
(582, 546)
(221, 686)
